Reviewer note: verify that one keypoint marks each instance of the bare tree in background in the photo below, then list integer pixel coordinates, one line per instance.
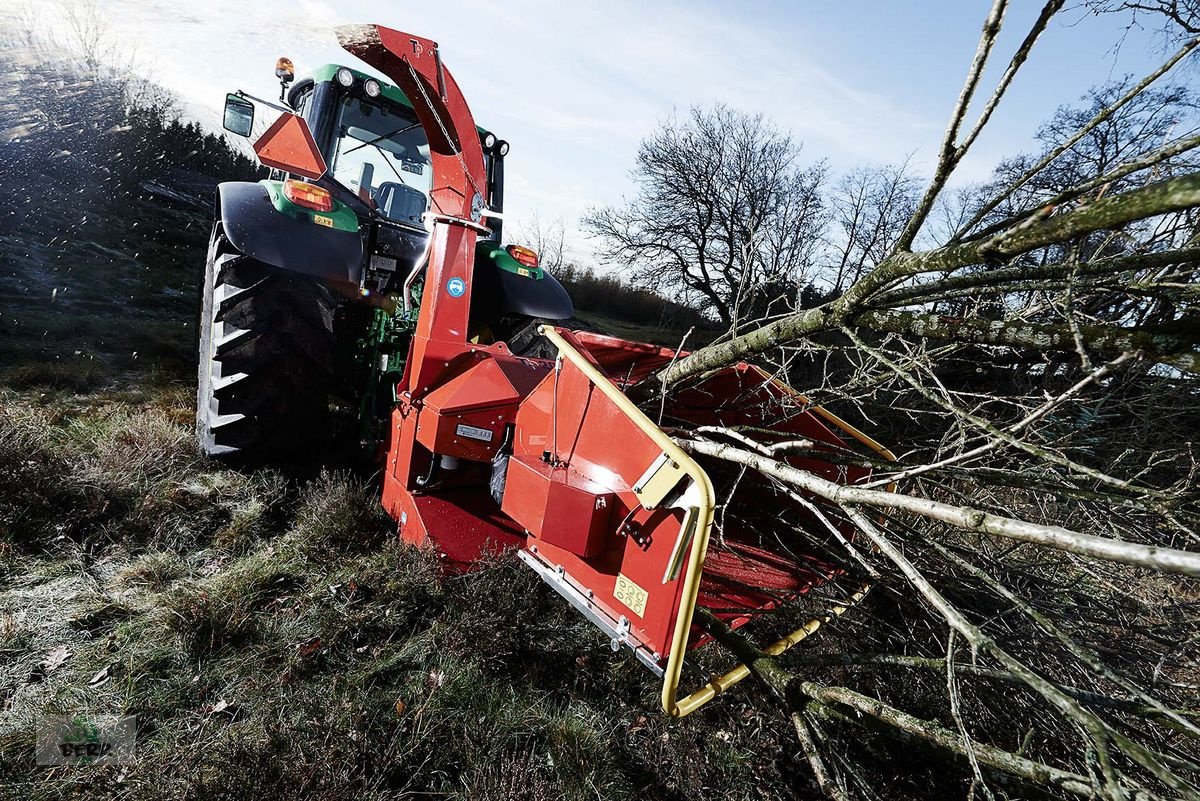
(1033, 543)
(869, 206)
(1178, 18)
(724, 209)
(86, 32)
(548, 238)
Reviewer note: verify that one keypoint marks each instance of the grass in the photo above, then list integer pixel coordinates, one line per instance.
(274, 638)
(74, 375)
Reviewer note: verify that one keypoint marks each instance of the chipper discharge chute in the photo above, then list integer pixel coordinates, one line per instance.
(487, 449)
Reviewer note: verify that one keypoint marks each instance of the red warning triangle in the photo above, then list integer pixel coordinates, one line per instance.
(288, 145)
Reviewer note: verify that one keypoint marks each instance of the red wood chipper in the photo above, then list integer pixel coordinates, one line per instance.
(486, 449)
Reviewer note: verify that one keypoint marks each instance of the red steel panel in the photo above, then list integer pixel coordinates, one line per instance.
(558, 506)
(593, 439)
(745, 572)
(465, 417)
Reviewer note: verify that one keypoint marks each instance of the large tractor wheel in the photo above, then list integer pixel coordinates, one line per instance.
(266, 360)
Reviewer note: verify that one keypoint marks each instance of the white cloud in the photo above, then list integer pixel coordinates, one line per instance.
(575, 86)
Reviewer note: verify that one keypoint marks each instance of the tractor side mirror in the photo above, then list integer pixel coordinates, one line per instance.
(239, 115)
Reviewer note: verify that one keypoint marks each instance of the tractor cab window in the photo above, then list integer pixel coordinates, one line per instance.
(382, 154)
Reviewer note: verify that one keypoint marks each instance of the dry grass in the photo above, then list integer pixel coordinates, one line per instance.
(275, 641)
(74, 375)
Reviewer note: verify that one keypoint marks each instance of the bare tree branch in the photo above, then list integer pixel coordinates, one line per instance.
(1167, 560)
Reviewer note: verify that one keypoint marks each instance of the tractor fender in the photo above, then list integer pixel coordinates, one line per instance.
(504, 286)
(257, 229)
(498, 292)
(546, 298)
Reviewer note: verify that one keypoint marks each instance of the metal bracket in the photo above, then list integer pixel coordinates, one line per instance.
(618, 630)
(453, 220)
(267, 103)
(663, 474)
(622, 634)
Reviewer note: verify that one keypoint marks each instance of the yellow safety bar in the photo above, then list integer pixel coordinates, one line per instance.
(691, 580)
(720, 684)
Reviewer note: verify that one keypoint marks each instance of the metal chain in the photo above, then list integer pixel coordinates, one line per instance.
(449, 140)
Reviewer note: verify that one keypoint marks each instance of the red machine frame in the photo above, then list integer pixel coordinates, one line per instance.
(489, 451)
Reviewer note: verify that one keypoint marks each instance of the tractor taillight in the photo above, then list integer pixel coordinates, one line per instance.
(524, 256)
(310, 196)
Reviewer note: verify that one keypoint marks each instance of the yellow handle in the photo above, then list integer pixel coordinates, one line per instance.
(690, 517)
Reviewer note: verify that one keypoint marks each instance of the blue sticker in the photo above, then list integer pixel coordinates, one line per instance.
(456, 287)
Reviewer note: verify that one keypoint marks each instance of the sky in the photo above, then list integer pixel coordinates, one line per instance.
(574, 86)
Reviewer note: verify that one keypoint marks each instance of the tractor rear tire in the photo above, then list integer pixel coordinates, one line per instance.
(266, 360)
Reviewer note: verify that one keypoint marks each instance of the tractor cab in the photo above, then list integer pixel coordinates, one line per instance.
(375, 146)
(368, 170)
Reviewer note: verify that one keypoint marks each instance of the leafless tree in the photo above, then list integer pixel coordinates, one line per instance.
(1179, 18)
(548, 238)
(724, 211)
(85, 31)
(870, 207)
(1034, 546)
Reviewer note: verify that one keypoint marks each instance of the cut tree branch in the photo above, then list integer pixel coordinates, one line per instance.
(1160, 198)
(1167, 560)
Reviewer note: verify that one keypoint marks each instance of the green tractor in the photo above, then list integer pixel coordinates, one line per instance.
(313, 279)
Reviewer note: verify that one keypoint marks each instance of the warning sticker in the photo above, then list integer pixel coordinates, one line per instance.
(325, 221)
(631, 595)
(471, 432)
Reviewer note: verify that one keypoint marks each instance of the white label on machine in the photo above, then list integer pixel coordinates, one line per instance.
(630, 594)
(471, 432)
